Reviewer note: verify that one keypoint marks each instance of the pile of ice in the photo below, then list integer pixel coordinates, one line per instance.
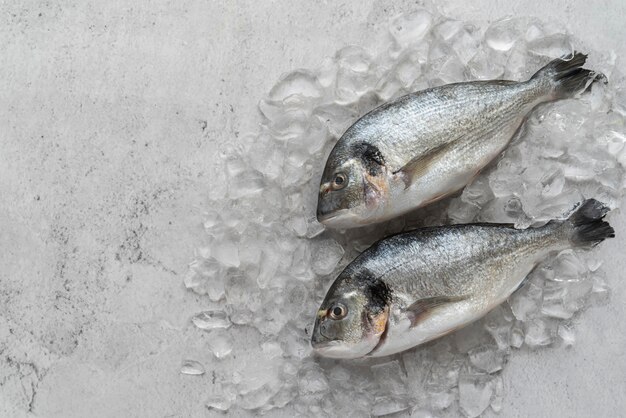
(267, 263)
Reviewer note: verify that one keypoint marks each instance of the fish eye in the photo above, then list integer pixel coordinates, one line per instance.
(339, 182)
(338, 311)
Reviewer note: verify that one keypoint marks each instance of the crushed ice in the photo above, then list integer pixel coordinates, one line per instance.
(192, 367)
(266, 262)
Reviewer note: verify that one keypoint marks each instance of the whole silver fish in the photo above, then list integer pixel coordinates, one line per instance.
(427, 145)
(417, 286)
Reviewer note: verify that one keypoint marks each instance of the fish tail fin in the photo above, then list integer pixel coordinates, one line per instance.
(564, 77)
(586, 225)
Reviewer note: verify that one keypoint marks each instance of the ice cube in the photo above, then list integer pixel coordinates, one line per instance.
(301, 261)
(211, 219)
(283, 397)
(553, 46)
(615, 142)
(504, 184)
(209, 320)
(241, 316)
(354, 58)
(502, 34)
(315, 140)
(475, 392)
(525, 301)
(522, 305)
(483, 67)
(242, 292)
(250, 251)
(514, 209)
(552, 183)
(257, 398)
(327, 72)
(220, 343)
(271, 349)
(516, 66)
(269, 266)
(452, 70)
(534, 31)
(235, 166)
(478, 193)
(568, 267)
(266, 160)
(390, 377)
(194, 280)
(498, 395)
(290, 124)
(325, 256)
(594, 264)
(192, 367)
(567, 334)
(298, 82)
(247, 183)
(272, 110)
(466, 45)
(204, 277)
(419, 412)
(385, 405)
(444, 376)
(296, 298)
(442, 400)
(226, 253)
(552, 305)
(389, 88)
(409, 28)
(354, 77)
(487, 358)
(311, 380)
(498, 324)
(461, 213)
(539, 332)
(599, 288)
(448, 28)
(407, 70)
(335, 117)
(517, 336)
(576, 294)
(223, 401)
(269, 320)
(471, 337)
(314, 228)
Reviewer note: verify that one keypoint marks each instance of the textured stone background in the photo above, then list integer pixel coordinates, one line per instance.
(111, 113)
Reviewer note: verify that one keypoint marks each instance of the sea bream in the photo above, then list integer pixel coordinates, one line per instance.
(426, 145)
(420, 285)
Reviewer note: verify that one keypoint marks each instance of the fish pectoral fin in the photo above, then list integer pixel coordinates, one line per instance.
(420, 164)
(418, 310)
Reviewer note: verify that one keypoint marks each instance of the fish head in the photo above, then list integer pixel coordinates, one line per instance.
(351, 320)
(353, 190)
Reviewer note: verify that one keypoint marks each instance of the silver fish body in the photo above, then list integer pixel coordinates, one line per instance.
(427, 145)
(417, 286)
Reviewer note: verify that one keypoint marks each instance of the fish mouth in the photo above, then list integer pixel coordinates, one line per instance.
(323, 217)
(341, 218)
(335, 349)
(321, 345)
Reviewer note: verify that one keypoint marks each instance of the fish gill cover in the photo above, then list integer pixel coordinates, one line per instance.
(267, 263)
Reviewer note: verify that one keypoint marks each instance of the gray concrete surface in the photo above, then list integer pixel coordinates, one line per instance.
(111, 113)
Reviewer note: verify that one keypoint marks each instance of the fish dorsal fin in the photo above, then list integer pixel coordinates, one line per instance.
(419, 309)
(420, 164)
